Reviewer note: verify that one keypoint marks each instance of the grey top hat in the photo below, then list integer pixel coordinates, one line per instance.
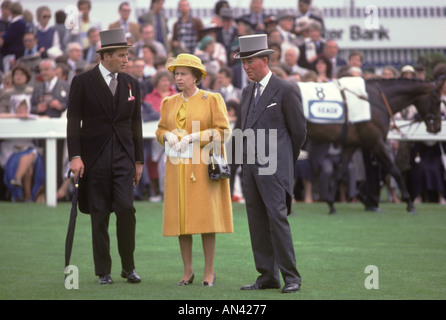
(113, 39)
(253, 46)
(283, 14)
(226, 13)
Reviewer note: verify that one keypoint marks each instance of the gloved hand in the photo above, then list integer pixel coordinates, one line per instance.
(186, 140)
(171, 139)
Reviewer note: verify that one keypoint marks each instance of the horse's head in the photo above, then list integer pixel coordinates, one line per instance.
(428, 106)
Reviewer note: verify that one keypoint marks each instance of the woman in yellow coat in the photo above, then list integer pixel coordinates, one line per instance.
(193, 204)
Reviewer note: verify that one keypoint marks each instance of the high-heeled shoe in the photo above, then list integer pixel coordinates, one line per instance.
(207, 284)
(186, 282)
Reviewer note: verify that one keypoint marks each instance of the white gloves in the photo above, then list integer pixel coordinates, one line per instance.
(183, 145)
(171, 139)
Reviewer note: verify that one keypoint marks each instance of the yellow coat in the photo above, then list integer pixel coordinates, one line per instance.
(206, 207)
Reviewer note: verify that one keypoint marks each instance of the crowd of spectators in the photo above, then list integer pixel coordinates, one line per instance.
(39, 60)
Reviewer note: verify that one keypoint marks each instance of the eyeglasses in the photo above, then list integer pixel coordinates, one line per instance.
(46, 17)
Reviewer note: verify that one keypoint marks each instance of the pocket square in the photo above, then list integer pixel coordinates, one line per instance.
(271, 105)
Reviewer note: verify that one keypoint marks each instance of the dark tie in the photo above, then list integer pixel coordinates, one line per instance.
(257, 96)
(113, 83)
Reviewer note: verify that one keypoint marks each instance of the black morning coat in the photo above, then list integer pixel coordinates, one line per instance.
(93, 118)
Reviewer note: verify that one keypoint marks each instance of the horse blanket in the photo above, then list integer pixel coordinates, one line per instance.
(323, 103)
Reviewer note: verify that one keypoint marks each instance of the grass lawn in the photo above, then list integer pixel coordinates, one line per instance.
(332, 254)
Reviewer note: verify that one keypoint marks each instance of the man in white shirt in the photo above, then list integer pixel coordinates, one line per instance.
(75, 61)
(49, 97)
(285, 27)
(124, 21)
(290, 57)
(227, 90)
(105, 146)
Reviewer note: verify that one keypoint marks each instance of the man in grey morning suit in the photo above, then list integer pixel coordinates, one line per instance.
(277, 113)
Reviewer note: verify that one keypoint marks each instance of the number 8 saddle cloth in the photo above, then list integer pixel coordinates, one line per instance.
(324, 103)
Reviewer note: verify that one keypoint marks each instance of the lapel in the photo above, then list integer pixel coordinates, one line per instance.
(246, 104)
(268, 93)
(55, 90)
(123, 92)
(102, 91)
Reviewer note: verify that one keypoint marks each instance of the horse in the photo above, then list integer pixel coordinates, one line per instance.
(383, 94)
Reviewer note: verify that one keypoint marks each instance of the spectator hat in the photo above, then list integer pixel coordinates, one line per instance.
(285, 14)
(209, 28)
(246, 21)
(253, 46)
(270, 19)
(408, 69)
(185, 60)
(303, 23)
(113, 39)
(205, 42)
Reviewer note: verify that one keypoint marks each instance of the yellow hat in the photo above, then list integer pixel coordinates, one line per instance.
(185, 60)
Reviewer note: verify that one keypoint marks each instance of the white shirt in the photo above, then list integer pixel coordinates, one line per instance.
(49, 85)
(106, 74)
(264, 81)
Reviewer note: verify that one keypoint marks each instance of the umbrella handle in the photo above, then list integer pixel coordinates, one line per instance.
(70, 174)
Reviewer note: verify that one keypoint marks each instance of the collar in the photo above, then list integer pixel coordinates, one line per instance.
(265, 80)
(39, 27)
(187, 99)
(105, 72)
(50, 84)
(17, 18)
(32, 51)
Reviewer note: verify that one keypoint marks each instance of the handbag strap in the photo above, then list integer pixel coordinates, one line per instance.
(213, 143)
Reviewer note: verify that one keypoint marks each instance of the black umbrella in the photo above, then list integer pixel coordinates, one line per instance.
(71, 224)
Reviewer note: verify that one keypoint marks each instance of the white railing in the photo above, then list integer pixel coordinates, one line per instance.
(52, 129)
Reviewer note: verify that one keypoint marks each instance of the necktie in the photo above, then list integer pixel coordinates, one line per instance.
(113, 83)
(257, 96)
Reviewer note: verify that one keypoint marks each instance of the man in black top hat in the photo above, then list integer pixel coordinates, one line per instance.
(105, 146)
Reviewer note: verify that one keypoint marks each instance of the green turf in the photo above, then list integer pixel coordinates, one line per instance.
(332, 253)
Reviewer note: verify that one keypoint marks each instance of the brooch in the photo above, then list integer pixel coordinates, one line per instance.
(205, 96)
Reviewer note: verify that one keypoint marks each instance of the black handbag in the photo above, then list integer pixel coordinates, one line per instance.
(218, 168)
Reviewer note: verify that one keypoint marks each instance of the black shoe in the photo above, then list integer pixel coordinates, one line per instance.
(186, 282)
(257, 286)
(105, 279)
(291, 287)
(131, 276)
(207, 284)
